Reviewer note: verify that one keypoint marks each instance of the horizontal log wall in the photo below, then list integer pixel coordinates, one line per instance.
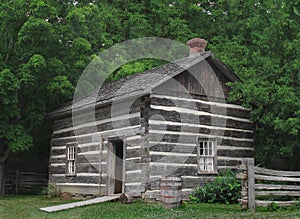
(91, 163)
(135, 165)
(176, 123)
(175, 127)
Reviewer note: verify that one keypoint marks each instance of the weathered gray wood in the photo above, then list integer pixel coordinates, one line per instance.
(87, 168)
(124, 165)
(126, 199)
(55, 152)
(276, 172)
(74, 179)
(279, 203)
(196, 181)
(242, 113)
(126, 131)
(133, 176)
(101, 127)
(134, 190)
(276, 178)
(211, 82)
(134, 153)
(90, 137)
(269, 189)
(92, 147)
(86, 158)
(276, 187)
(233, 143)
(181, 138)
(171, 147)
(178, 169)
(277, 193)
(24, 182)
(242, 176)
(80, 203)
(103, 112)
(251, 184)
(174, 158)
(152, 195)
(57, 169)
(134, 142)
(174, 116)
(229, 162)
(185, 128)
(100, 164)
(110, 171)
(134, 164)
(235, 153)
(244, 192)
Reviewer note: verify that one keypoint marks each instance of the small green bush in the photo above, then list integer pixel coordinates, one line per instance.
(50, 191)
(225, 189)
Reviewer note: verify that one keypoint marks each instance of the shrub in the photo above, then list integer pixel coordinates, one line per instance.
(225, 189)
(50, 191)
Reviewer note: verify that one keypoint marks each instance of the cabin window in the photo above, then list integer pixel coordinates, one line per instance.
(71, 159)
(206, 154)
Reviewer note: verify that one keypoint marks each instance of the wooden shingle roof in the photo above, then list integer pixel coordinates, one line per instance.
(142, 83)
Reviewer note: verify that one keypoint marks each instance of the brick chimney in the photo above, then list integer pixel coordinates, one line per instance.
(196, 45)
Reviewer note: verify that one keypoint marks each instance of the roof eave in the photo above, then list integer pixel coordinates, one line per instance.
(139, 93)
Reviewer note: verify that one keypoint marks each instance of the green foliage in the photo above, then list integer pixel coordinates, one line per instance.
(261, 44)
(274, 207)
(225, 189)
(137, 67)
(50, 191)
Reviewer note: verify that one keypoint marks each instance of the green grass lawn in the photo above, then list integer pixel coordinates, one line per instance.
(28, 207)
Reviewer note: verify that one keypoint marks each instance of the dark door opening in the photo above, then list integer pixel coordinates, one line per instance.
(118, 148)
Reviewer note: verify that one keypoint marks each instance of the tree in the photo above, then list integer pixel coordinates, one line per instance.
(260, 41)
(44, 47)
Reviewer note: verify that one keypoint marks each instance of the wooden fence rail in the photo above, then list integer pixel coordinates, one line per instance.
(266, 183)
(25, 182)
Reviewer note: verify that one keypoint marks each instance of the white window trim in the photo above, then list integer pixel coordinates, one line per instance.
(71, 157)
(210, 153)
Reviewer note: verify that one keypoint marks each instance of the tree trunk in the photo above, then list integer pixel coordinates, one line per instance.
(2, 178)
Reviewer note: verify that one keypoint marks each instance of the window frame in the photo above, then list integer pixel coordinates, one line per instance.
(213, 155)
(72, 159)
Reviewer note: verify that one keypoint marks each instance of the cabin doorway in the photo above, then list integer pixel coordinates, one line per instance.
(116, 169)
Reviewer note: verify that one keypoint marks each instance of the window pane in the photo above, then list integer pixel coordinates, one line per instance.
(206, 156)
(201, 148)
(209, 164)
(69, 167)
(71, 157)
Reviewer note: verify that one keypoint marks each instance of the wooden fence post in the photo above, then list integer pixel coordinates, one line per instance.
(244, 200)
(3, 185)
(248, 184)
(251, 184)
(17, 181)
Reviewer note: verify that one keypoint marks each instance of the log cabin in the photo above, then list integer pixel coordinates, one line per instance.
(172, 120)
